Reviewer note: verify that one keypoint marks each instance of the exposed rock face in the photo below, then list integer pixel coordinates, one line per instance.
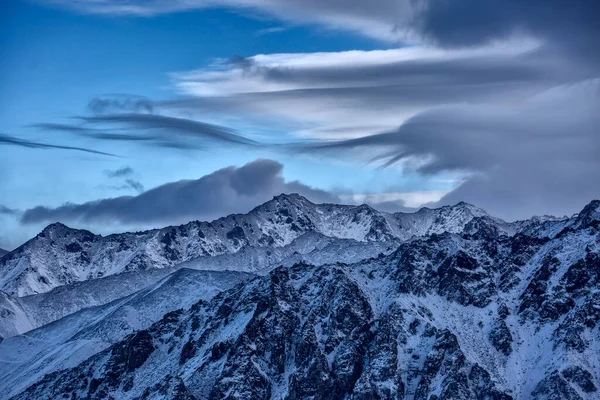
(501, 337)
(555, 387)
(476, 314)
(580, 377)
(303, 332)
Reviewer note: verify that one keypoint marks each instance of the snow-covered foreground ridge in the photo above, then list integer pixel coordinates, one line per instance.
(441, 304)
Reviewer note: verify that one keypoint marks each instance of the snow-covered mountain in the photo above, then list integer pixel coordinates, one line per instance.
(25, 313)
(70, 340)
(440, 304)
(21, 314)
(14, 319)
(3, 252)
(60, 255)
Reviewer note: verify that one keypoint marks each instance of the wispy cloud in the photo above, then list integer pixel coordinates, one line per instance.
(8, 140)
(128, 184)
(135, 185)
(378, 18)
(571, 25)
(120, 103)
(119, 172)
(357, 93)
(274, 29)
(395, 201)
(518, 160)
(8, 211)
(156, 130)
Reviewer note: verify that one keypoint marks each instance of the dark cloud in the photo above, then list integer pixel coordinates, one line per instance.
(541, 157)
(102, 134)
(14, 141)
(158, 130)
(119, 172)
(8, 211)
(120, 103)
(228, 190)
(570, 25)
(185, 126)
(129, 183)
(135, 185)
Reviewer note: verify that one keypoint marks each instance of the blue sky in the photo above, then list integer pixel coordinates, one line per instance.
(361, 102)
(57, 60)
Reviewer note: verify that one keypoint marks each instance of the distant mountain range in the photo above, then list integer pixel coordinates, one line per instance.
(296, 300)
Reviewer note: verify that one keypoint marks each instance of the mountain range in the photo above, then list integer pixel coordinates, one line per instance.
(296, 300)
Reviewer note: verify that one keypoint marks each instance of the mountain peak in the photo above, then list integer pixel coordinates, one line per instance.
(464, 207)
(289, 196)
(55, 226)
(589, 215)
(464, 204)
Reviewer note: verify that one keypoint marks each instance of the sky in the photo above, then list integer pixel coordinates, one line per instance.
(121, 115)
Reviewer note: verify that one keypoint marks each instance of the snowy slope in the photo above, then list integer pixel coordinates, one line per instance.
(25, 313)
(474, 314)
(14, 319)
(311, 247)
(60, 255)
(70, 340)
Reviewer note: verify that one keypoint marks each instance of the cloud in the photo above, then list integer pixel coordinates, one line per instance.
(570, 24)
(8, 211)
(380, 19)
(135, 185)
(119, 172)
(184, 126)
(158, 130)
(539, 157)
(129, 183)
(515, 118)
(268, 31)
(395, 201)
(358, 93)
(8, 140)
(10, 234)
(358, 68)
(92, 133)
(120, 103)
(505, 93)
(228, 190)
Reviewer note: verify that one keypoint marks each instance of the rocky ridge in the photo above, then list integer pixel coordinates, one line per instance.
(476, 313)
